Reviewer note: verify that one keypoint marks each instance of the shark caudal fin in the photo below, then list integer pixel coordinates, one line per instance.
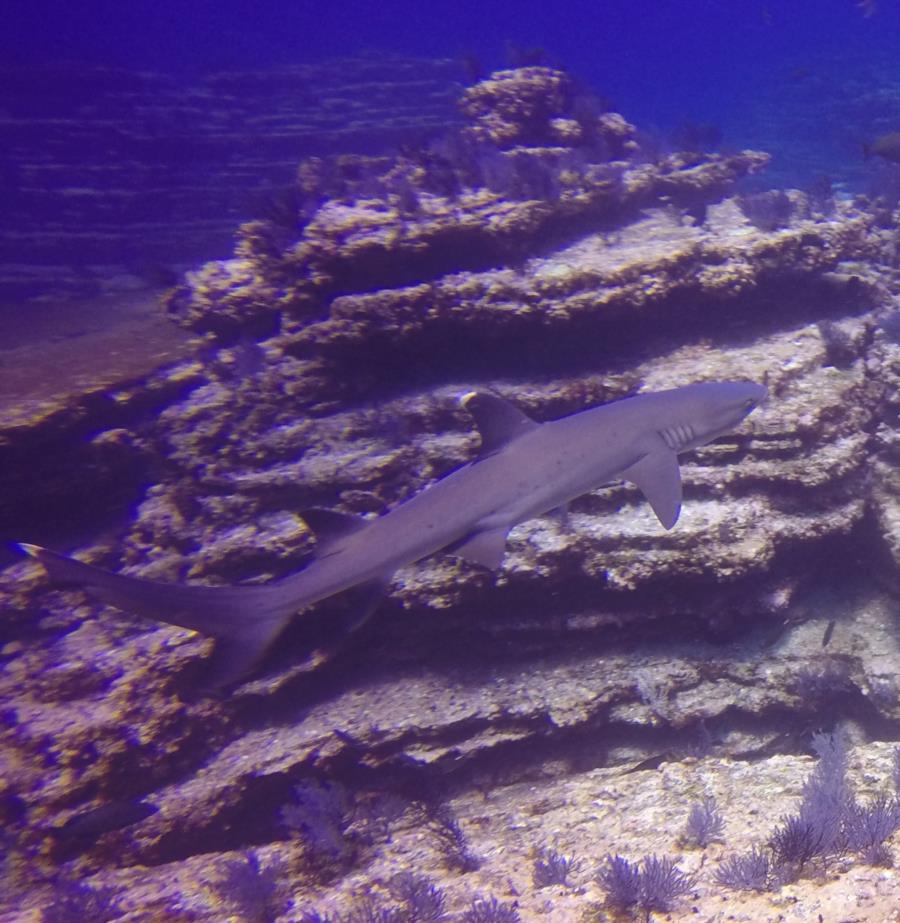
(244, 620)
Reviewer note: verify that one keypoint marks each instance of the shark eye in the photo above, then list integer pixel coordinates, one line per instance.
(749, 404)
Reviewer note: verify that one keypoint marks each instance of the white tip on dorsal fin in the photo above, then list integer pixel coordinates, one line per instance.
(499, 422)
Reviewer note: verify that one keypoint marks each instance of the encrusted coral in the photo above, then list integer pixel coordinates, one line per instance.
(468, 201)
(521, 106)
(339, 337)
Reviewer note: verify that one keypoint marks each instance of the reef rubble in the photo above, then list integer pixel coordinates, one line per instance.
(548, 258)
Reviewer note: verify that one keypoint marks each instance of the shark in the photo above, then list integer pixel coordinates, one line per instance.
(524, 469)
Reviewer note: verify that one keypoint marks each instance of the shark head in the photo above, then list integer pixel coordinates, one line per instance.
(716, 407)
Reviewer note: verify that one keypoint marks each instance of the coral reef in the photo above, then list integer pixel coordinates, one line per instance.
(470, 202)
(521, 106)
(560, 268)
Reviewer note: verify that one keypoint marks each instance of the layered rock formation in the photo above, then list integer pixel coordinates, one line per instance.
(560, 271)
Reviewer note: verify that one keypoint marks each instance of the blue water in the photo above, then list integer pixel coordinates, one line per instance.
(810, 82)
(659, 60)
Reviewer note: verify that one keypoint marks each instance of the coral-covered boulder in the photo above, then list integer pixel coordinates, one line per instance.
(523, 106)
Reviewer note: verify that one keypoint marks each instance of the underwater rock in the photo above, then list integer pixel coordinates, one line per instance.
(71, 447)
(521, 106)
(602, 287)
(603, 645)
(371, 245)
(885, 452)
(369, 224)
(886, 146)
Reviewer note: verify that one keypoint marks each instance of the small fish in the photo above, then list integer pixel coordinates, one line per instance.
(887, 147)
(248, 359)
(829, 631)
(650, 763)
(867, 7)
(235, 361)
(111, 816)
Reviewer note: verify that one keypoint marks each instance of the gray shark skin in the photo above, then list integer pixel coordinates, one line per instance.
(524, 469)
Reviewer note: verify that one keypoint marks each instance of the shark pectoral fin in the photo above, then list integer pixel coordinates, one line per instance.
(658, 477)
(485, 548)
(499, 422)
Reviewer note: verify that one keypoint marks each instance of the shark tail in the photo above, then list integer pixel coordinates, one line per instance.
(244, 620)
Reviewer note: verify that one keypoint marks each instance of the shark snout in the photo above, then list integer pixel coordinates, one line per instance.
(748, 395)
(762, 397)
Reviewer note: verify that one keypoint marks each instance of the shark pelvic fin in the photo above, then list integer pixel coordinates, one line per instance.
(485, 548)
(658, 477)
(236, 655)
(364, 599)
(245, 620)
(499, 422)
(561, 515)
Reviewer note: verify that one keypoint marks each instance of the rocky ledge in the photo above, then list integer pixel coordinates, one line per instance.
(560, 267)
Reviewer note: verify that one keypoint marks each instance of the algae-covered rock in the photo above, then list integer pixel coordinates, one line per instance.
(337, 348)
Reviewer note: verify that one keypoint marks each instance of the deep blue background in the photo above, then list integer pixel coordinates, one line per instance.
(810, 81)
(658, 60)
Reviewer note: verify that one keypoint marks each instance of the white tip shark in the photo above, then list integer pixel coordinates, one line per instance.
(524, 469)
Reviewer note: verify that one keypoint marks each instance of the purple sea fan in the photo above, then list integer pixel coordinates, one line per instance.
(654, 885)
(490, 911)
(319, 815)
(747, 872)
(553, 868)
(704, 824)
(817, 829)
(423, 902)
(621, 880)
(797, 841)
(364, 912)
(452, 841)
(867, 827)
(253, 888)
(662, 883)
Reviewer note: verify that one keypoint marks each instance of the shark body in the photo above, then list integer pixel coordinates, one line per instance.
(524, 469)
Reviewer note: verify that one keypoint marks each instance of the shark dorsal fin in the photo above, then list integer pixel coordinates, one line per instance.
(330, 527)
(499, 422)
(658, 477)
